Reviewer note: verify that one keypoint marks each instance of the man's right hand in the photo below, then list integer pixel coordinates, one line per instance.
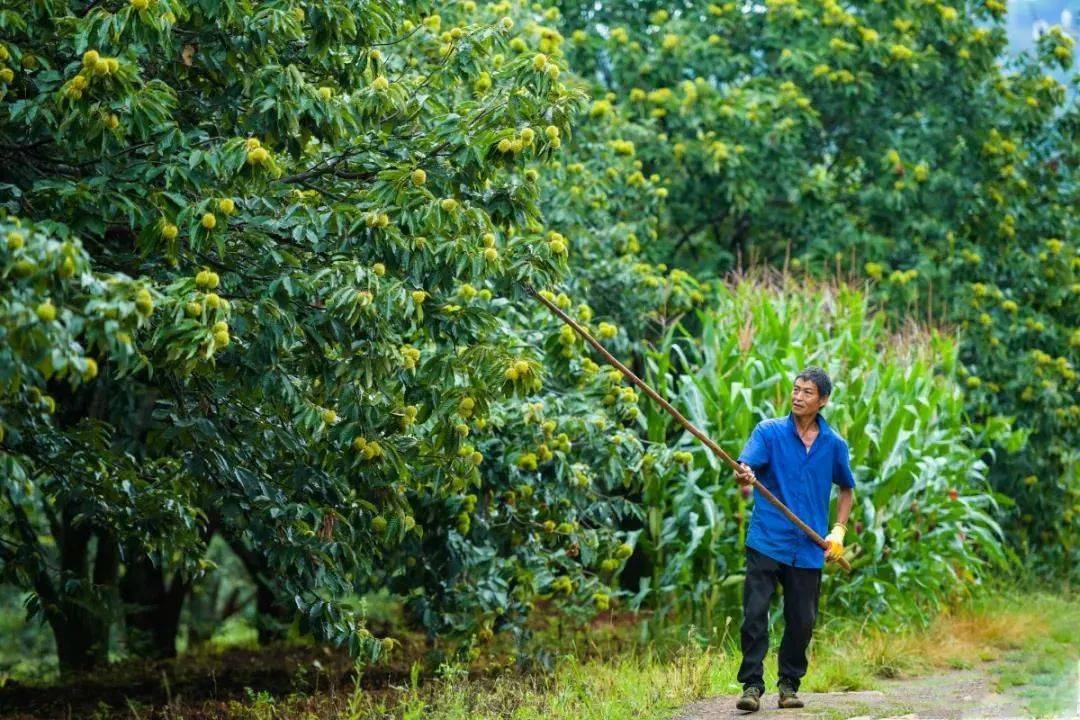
(744, 475)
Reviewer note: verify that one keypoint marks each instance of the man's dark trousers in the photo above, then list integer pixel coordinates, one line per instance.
(802, 587)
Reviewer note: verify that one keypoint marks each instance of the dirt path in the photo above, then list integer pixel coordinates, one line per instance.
(947, 694)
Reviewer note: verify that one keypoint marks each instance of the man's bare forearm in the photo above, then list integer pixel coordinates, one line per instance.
(843, 506)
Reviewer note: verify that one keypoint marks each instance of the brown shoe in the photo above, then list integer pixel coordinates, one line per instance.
(750, 700)
(788, 698)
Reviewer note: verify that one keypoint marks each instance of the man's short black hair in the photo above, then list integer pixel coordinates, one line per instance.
(819, 377)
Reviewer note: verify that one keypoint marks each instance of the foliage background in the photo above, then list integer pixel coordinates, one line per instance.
(893, 142)
(249, 352)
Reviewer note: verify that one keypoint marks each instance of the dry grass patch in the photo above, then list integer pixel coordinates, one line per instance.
(966, 633)
(955, 638)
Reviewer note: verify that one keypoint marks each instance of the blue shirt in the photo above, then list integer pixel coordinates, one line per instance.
(801, 480)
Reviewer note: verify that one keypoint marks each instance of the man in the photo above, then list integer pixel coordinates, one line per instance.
(797, 458)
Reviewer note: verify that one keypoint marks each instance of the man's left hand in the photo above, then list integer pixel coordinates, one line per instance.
(835, 539)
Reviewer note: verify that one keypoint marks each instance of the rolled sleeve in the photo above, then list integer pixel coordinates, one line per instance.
(756, 452)
(842, 474)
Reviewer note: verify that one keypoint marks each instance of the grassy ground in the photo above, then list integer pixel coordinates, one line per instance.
(1038, 636)
(601, 673)
(1046, 672)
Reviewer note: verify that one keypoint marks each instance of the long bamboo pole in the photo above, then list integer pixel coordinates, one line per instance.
(690, 427)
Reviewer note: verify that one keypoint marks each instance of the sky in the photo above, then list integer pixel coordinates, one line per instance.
(1025, 15)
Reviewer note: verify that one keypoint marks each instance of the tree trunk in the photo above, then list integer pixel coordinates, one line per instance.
(80, 627)
(152, 618)
(273, 616)
(738, 240)
(82, 640)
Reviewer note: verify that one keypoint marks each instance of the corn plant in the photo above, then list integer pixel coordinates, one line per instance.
(923, 528)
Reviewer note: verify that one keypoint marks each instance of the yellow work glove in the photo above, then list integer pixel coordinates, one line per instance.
(835, 538)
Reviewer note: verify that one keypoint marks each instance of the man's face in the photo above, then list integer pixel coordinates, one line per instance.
(805, 399)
